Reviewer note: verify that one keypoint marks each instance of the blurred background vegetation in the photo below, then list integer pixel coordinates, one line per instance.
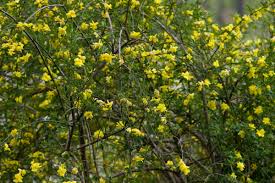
(224, 10)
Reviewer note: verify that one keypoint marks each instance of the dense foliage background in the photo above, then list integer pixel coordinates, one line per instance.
(135, 91)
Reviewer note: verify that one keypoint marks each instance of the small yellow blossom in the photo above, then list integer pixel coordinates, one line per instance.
(233, 175)
(252, 90)
(260, 133)
(258, 110)
(35, 166)
(251, 126)
(183, 167)
(238, 155)
(135, 132)
(84, 26)
(106, 57)
(135, 35)
(216, 64)
(266, 121)
(14, 132)
(74, 171)
(46, 77)
(62, 170)
(120, 125)
(187, 75)
(62, 31)
(241, 134)
(254, 166)
(212, 104)
(88, 115)
(240, 166)
(169, 163)
(71, 14)
(161, 108)
(138, 158)
(93, 25)
(79, 62)
(224, 107)
(98, 134)
(19, 176)
(6, 147)
(17, 74)
(87, 94)
(19, 99)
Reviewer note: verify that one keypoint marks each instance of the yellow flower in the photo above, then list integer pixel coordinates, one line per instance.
(250, 118)
(79, 62)
(106, 57)
(62, 31)
(17, 74)
(84, 26)
(206, 82)
(138, 158)
(187, 75)
(169, 163)
(74, 171)
(135, 35)
(252, 90)
(6, 147)
(120, 125)
(98, 134)
(216, 64)
(258, 110)
(46, 77)
(62, 170)
(266, 121)
(233, 175)
(44, 104)
(211, 43)
(19, 176)
(88, 115)
(135, 131)
(260, 133)
(254, 166)
(14, 132)
(87, 94)
(224, 106)
(161, 128)
(215, 27)
(19, 99)
(35, 166)
(261, 61)
(251, 126)
(189, 12)
(107, 106)
(71, 14)
(97, 45)
(101, 180)
(241, 134)
(93, 25)
(212, 105)
(238, 155)
(196, 35)
(107, 6)
(240, 166)
(183, 167)
(161, 108)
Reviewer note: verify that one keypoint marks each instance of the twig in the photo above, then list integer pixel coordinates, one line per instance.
(40, 9)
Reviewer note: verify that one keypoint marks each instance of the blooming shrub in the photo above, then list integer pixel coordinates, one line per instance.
(133, 91)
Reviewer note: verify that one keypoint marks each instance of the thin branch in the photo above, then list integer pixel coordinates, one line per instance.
(40, 9)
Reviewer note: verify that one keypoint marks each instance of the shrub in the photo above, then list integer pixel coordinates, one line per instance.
(133, 91)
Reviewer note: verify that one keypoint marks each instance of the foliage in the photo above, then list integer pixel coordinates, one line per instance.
(134, 91)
